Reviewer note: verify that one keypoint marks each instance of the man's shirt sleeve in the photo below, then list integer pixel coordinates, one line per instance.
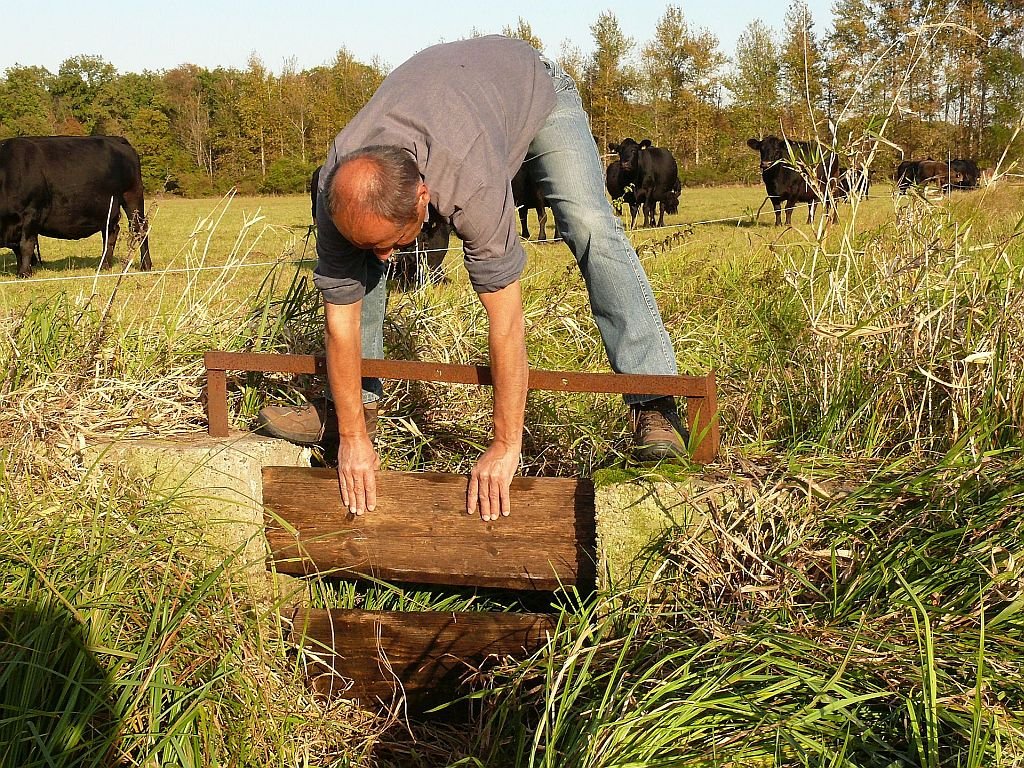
(494, 256)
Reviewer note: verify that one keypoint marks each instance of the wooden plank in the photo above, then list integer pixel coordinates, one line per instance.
(420, 531)
(381, 657)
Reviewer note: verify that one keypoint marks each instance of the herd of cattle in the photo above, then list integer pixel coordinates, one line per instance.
(71, 187)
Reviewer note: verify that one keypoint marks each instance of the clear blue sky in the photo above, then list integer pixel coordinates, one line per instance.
(210, 33)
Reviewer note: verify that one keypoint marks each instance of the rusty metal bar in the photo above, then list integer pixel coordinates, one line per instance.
(699, 391)
(417, 370)
(702, 415)
(217, 402)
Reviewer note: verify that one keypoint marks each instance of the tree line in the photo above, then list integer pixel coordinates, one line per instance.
(909, 78)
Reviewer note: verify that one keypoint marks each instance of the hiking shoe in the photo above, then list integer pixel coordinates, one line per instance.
(308, 424)
(657, 431)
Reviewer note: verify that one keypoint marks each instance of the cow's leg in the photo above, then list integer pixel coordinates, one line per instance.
(134, 205)
(777, 205)
(661, 215)
(790, 205)
(633, 208)
(27, 247)
(523, 211)
(542, 223)
(110, 240)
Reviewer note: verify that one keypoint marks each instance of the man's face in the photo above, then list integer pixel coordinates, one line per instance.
(383, 237)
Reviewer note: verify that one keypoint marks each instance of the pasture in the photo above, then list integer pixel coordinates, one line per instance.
(862, 607)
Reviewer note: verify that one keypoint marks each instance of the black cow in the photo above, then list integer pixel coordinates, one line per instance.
(314, 187)
(851, 181)
(619, 190)
(415, 264)
(924, 173)
(785, 166)
(654, 175)
(70, 187)
(969, 172)
(527, 195)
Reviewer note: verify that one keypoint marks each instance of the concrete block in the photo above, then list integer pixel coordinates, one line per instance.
(217, 484)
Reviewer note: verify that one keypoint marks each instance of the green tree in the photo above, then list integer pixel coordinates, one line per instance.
(523, 31)
(754, 81)
(607, 81)
(76, 89)
(680, 72)
(802, 70)
(25, 105)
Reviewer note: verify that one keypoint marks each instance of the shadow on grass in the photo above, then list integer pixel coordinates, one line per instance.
(56, 707)
(9, 263)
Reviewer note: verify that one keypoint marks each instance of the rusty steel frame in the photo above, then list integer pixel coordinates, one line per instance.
(699, 391)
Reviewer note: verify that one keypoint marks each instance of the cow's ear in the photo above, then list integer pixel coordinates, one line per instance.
(645, 144)
(754, 144)
(613, 146)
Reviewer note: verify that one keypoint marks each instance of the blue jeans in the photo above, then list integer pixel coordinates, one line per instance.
(564, 162)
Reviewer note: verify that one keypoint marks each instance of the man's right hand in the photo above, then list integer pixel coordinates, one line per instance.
(357, 463)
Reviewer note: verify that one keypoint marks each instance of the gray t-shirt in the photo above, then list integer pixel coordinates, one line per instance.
(467, 112)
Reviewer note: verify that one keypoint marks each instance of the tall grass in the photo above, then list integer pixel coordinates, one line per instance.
(857, 606)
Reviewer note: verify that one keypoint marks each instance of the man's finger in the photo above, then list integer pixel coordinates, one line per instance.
(505, 500)
(370, 489)
(484, 496)
(358, 503)
(471, 501)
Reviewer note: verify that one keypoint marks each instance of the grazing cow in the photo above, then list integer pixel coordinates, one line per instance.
(784, 168)
(654, 175)
(969, 172)
(70, 187)
(619, 190)
(314, 187)
(527, 195)
(925, 173)
(407, 269)
(423, 261)
(853, 181)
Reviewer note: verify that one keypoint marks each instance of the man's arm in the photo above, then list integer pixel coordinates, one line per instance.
(492, 475)
(357, 460)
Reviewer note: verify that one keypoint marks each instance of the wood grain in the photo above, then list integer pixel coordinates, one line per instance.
(420, 531)
(381, 658)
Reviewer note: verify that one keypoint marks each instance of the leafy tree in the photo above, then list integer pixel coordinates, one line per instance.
(680, 71)
(802, 70)
(607, 80)
(523, 31)
(76, 89)
(754, 81)
(25, 104)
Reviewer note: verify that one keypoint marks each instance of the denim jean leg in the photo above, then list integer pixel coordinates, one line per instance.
(372, 322)
(564, 161)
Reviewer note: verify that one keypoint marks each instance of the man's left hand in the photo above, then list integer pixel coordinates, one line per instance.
(490, 480)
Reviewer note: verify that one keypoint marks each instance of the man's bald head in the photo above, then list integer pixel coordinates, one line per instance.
(380, 182)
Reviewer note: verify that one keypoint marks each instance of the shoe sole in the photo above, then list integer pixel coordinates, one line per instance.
(292, 437)
(659, 452)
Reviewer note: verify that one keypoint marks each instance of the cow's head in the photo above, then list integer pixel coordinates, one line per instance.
(628, 151)
(772, 150)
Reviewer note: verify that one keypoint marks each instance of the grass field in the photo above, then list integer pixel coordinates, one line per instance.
(861, 607)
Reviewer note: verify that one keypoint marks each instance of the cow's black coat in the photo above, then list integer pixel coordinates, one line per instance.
(70, 187)
(652, 173)
(797, 172)
(527, 195)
